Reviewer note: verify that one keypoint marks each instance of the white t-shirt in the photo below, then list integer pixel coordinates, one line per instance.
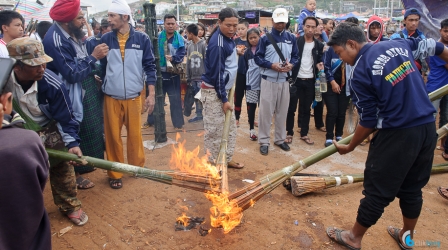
(3, 50)
(306, 67)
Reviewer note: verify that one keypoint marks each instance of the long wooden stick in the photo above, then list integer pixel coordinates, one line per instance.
(221, 161)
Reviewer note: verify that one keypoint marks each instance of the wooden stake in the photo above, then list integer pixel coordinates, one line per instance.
(221, 161)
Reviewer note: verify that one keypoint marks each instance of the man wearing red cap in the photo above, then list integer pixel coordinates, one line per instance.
(72, 62)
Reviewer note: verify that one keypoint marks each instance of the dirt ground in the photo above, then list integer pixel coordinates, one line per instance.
(142, 214)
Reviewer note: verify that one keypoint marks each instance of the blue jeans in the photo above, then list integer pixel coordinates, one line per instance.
(198, 103)
(171, 85)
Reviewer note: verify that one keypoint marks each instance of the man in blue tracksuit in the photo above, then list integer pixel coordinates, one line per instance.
(390, 96)
(130, 59)
(274, 96)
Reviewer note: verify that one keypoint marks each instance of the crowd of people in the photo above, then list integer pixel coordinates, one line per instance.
(79, 91)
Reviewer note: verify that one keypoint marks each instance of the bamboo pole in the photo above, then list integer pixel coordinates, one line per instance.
(195, 182)
(221, 161)
(305, 184)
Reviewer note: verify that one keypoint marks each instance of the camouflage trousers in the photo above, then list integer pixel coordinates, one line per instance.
(63, 187)
(214, 119)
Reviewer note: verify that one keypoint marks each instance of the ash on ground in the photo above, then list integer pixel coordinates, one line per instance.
(191, 223)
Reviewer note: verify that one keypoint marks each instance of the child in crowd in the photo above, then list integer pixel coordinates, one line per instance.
(201, 30)
(309, 10)
(253, 79)
(195, 65)
(240, 87)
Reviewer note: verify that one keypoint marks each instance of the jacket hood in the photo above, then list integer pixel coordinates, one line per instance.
(374, 19)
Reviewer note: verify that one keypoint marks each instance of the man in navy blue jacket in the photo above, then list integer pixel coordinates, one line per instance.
(130, 59)
(390, 96)
(274, 94)
(42, 98)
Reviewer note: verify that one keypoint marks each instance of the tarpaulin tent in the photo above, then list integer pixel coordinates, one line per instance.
(342, 18)
(433, 12)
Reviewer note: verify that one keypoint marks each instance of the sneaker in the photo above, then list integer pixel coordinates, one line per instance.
(196, 119)
(147, 125)
(338, 138)
(328, 143)
(252, 135)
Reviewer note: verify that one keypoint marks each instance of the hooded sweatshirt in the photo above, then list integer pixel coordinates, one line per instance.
(372, 20)
(195, 60)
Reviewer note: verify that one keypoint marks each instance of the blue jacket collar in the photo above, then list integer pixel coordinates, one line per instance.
(363, 50)
(225, 37)
(276, 32)
(406, 33)
(131, 31)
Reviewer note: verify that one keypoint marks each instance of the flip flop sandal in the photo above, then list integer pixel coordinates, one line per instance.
(439, 189)
(338, 238)
(76, 216)
(396, 235)
(233, 164)
(288, 139)
(82, 183)
(307, 140)
(113, 182)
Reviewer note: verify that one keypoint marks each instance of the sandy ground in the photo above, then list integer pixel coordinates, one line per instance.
(142, 214)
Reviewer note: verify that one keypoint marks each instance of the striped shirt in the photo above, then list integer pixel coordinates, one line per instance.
(122, 38)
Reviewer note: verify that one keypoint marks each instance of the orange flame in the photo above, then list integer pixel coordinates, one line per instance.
(200, 134)
(252, 203)
(225, 213)
(190, 162)
(183, 219)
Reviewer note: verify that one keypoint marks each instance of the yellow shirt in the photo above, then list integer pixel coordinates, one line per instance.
(122, 38)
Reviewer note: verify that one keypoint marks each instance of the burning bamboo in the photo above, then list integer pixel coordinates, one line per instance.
(306, 184)
(202, 183)
(221, 161)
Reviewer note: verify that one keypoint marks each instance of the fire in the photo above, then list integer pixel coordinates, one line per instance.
(183, 219)
(190, 162)
(252, 203)
(225, 213)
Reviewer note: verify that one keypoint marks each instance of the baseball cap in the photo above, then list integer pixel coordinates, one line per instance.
(280, 15)
(28, 51)
(412, 11)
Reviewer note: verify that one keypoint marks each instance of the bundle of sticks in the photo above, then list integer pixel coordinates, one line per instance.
(202, 183)
(246, 197)
(300, 185)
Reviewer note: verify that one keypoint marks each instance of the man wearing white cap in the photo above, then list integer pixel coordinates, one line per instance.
(275, 95)
(130, 54)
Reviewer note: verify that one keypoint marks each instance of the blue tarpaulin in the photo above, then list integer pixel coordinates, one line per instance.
(433, 12)
(346, 16)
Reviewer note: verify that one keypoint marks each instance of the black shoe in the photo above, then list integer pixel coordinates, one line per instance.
(264, 150)
(283, 146)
